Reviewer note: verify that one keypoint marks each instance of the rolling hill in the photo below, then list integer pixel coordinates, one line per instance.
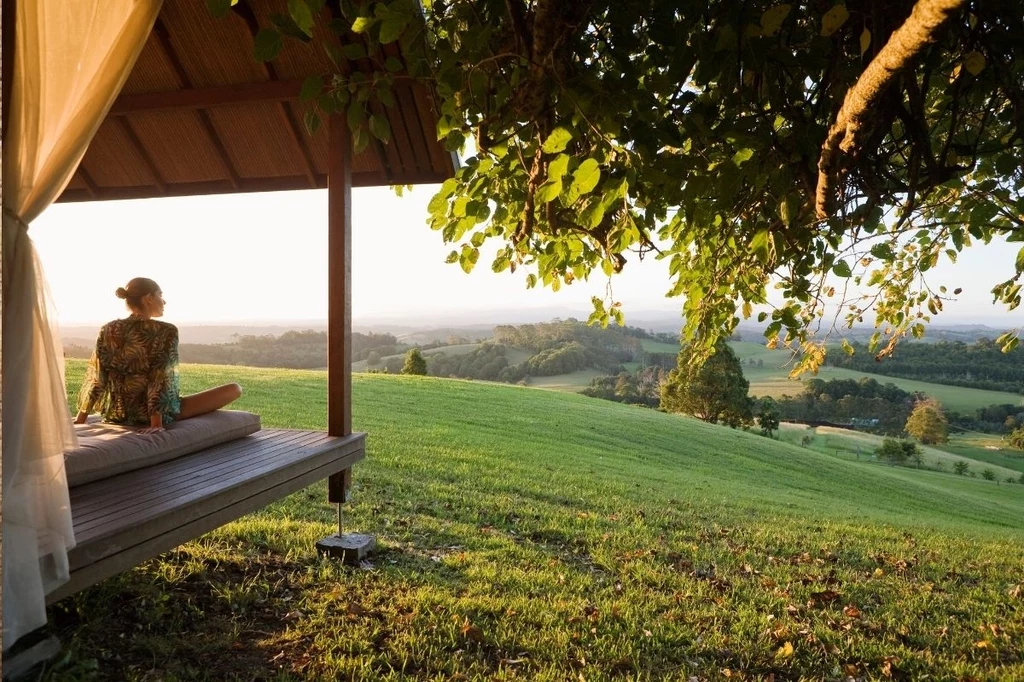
(528, 534)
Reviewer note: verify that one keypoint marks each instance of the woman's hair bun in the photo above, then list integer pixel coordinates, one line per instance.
(121, 292)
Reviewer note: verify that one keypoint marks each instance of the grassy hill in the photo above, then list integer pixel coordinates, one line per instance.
(860, 446)
(514, 355)
(773, 380)
(528, 534)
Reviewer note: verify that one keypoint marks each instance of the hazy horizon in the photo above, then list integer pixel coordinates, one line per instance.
(261, 258)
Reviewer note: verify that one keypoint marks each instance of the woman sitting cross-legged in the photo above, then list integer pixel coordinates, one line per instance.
(133, 374)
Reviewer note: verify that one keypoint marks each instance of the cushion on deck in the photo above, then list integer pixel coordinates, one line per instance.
(106, 450)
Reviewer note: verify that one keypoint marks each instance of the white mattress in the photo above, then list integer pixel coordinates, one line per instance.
(106, 450)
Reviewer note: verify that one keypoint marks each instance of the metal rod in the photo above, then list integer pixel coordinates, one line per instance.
(340, 530)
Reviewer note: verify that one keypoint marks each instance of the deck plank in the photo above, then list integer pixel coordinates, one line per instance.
(253, 453)
(207, 489)
(159, 500)
(182, 466)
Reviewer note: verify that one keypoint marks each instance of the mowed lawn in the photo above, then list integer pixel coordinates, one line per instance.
(534, 535)
(772, 379)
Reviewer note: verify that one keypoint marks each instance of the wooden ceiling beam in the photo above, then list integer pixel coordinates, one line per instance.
(90, 185)
(133, 138)
(291, 124)
(164, 40)
(208, 98)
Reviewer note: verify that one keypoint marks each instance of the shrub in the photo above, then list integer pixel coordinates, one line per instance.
(898, 451)
(415, 363)
(988, 475)
(927, 423)
(961, 468)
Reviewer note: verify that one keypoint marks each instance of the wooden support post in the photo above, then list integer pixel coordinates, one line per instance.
(338, 486)
(339, 278)
(351, 547)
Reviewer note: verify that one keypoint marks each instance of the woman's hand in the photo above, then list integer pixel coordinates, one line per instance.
(156, 424)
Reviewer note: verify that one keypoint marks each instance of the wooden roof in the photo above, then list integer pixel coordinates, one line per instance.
(199, 115)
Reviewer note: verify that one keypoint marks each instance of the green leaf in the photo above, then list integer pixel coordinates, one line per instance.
(974, 62)
(360, 140)
(548, 191)
(557, 168)
(266, 45)
(1020, 260)
(391, 28)
(865, 41)
(356, 117)
(468, 258)
(219, 8)
(882, 252)
(771, 19)
(438, 205)
(311, 88)
(363, 24)
(380, 128)
(759, 243)
(842, 269)
(557, 140)
(833, 20)
(459, 207)
(354, 51)
(585, 178)
(385, 96)
(742, 156)
(393, 64)
(302, 15)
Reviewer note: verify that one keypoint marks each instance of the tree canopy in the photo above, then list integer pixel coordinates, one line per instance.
(715, 392)
(837, 150)
(927, 423)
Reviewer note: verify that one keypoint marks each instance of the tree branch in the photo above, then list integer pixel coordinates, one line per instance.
(905, 44)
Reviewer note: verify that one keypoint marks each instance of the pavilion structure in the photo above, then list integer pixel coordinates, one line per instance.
(147, 99)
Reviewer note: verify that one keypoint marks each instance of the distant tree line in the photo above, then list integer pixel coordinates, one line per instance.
(1002, 418)
(292, 350)
(865, 404)
(642, 388)
(979, 365)
(613, 342)
(484, 362)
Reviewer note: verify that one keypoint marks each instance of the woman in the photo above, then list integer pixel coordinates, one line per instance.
(133, 374)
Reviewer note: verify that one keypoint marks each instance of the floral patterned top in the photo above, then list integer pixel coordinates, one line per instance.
(133, 372)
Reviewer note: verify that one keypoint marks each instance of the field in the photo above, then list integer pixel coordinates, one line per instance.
(529, 534)
(513, 355)
(773, 380)
(986, 448)
(860, 446)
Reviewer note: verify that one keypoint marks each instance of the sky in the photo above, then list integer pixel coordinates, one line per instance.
(262, 258)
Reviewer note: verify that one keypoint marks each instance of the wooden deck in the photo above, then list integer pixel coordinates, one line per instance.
(122, 521)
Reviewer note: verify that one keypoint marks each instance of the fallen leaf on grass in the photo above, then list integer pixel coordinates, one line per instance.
(785, 651)
(471, 632)
(823, 597)
(852, 611)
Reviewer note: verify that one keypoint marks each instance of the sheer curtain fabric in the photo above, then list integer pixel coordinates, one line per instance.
(71, 58)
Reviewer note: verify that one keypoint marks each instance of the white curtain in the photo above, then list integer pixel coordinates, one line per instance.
(71, 58)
